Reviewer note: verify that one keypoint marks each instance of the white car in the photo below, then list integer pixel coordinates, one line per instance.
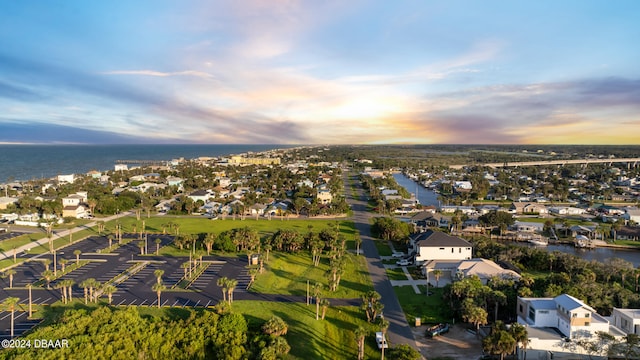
(381, 341)
(397, 254)
(403, 262)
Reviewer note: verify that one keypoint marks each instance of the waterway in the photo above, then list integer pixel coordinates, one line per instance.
(428, 197)
(425, 196)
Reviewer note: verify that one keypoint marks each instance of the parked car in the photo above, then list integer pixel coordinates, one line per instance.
(437, 330)
(381, 341)
(403, 262)
(398, 254)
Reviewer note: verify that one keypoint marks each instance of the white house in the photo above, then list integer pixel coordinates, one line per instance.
(202, 195)
(566, 210)
(121, 167)
(66, 179)
(436, 245)
(627, 320)
(553, 322)
(75, 199)
(324, 196)
(523, 226)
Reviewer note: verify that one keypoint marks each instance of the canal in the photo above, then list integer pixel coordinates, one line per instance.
(425, 196)
(428, 197)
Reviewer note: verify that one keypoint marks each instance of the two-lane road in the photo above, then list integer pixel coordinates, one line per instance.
(399, 331)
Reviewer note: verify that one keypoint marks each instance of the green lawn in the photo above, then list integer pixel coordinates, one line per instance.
(431, 309)
(383, 248)
(309, 338)
(396, 274)
(287, 273)
(627, 243)
(200, 225)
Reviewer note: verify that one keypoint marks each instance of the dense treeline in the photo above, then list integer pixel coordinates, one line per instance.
(602, 285)
(109, 333)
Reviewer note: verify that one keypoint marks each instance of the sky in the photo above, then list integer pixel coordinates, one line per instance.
(320, 72)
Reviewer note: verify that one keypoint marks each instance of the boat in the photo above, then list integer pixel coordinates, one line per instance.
(437, 330)
(538, 242)
(584, 242)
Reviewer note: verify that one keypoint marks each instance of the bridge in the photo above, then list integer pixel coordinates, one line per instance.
(631, 162)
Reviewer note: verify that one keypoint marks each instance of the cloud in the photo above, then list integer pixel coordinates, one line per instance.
(36, 132)
(19, 93)
(199, 74)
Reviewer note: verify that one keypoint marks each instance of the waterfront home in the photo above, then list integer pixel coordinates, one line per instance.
(628, 233)
(451, 270)
(632, 214)
(530, 227)
(66, 179)
(436, 245)
(566, 210)
(528, 208)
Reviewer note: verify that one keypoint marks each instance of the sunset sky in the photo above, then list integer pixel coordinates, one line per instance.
(320, 72)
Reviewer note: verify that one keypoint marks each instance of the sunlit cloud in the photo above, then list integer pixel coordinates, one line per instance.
(160, 73)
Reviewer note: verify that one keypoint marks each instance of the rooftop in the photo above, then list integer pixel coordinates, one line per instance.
(438, 238)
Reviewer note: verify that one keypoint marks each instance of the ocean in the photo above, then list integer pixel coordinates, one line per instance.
(26, 162)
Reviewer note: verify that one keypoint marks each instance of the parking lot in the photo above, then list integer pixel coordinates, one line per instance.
(135, 289)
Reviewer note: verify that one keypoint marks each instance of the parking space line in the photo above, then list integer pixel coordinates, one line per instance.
(133, 302)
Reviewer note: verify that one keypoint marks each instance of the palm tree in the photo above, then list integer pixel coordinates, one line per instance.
(209, 240)
(222, 283)
(158, 273)
(63, 291)
(10, 274)
(158, 242)
(360, 334)
(85, 286)
(275, 326)
(253, 272)
(437, 273)
(317, 291)
(30, 301)
(158, 288)
(46, 263)
(63, 263)
(47, 275)
(324, 303)
(520, 334)
(77, 254)
(110, 238)
(109, 290)
(384, 326)
(10, 305)
(231, 286)
(69, 285)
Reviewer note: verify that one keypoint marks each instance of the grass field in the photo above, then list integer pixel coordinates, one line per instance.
(396, 274)
(200, 225)
(430, 309)
(309, 338)
(287, 273)
(383, 248)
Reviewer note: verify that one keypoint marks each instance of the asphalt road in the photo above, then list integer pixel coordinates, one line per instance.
(399, 331)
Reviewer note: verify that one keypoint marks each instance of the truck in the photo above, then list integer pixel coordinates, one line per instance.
(437, 330)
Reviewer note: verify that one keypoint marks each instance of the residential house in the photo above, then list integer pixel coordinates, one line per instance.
(202, 195)
(94, 174)
(566, 210)
(174, 181)
(427, 219)
(121, 167)
(571, 317)
(632, 214)
(627, 320)
(468, 210)
(628, 233)
(66, 179)
(436, 245)
(554, 325)
(324, 196)
(530, 227)
(452, 270)
(528, 208)
(5, 201)
(75, 206)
